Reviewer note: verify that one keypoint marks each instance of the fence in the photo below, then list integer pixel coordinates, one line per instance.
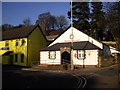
(35, 63)
(51, 62)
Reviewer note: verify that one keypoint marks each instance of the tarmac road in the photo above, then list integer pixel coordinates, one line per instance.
(106, 77)
(37, 79)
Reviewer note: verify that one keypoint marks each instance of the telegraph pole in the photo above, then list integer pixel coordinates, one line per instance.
(71, 37)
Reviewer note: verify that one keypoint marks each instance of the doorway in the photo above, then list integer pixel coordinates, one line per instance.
(11, 60)
(65, 58)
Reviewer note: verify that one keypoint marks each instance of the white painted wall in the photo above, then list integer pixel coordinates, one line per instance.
(78, 36)
(44, 58)
(91, 58)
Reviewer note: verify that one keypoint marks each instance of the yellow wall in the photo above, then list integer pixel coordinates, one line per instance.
(36, 41)
(2, 44)
(5, 59)
(33, 43)
(20, 49)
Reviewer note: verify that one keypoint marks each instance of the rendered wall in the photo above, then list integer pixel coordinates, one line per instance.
(78, 36)
(44, 58)
(36, 41)
(20, 49)
(5, 60)
(91, 58)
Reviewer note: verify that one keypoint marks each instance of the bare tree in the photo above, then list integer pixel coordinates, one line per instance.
(61, 22)
(6, 27)
(46, 21)
(27, 22)
(53, 22)
(43, 20)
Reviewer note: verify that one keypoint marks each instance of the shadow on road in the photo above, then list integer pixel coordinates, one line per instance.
(13, 77)
(91, 82)
(12, 67)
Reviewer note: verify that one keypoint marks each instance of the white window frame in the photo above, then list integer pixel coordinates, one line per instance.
(81, 54)
(52, 54)
(17, 42)
(7, 43)
(22, 42)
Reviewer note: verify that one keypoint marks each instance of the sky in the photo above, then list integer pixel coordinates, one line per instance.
(15, 12)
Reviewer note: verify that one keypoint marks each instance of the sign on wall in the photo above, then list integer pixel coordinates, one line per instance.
(6, 48)
(71, 40)
(75, 55)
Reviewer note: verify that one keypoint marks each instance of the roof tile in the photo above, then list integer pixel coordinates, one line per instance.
(17, 32)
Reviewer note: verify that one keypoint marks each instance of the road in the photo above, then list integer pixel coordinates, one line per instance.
(106, 77)
(37, 79)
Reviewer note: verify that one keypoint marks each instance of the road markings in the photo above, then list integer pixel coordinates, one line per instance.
(82, 81)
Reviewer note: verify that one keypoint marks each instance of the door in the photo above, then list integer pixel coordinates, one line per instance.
(11, 60)
(65, 56)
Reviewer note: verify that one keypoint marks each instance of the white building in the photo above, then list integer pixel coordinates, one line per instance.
(86, 50)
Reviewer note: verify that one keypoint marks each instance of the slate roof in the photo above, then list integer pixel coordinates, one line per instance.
(7, 53)
(51, 37)
(76, 46)
(16, 33)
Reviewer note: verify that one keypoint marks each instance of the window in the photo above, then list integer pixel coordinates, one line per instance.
(23, 42)
(52, 54)
(22, 58)
(80, 54)
(16, 57)
(7, 43)
(16, 43)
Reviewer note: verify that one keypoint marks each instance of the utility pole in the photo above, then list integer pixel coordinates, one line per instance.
(71, 37)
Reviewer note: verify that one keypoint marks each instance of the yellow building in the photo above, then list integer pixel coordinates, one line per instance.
(21, 46)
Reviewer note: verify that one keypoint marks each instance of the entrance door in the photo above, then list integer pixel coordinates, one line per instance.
(11, 59)
(65, 56)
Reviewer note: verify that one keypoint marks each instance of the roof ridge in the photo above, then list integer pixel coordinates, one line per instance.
(18, 28)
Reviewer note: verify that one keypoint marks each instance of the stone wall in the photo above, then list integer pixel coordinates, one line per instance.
(107, 61)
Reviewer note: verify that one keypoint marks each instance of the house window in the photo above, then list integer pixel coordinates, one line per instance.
(16, 43)
(81, 54)
(22, 58)
(7, 43)
(16, 57)
(23, 42)
(52, 54)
